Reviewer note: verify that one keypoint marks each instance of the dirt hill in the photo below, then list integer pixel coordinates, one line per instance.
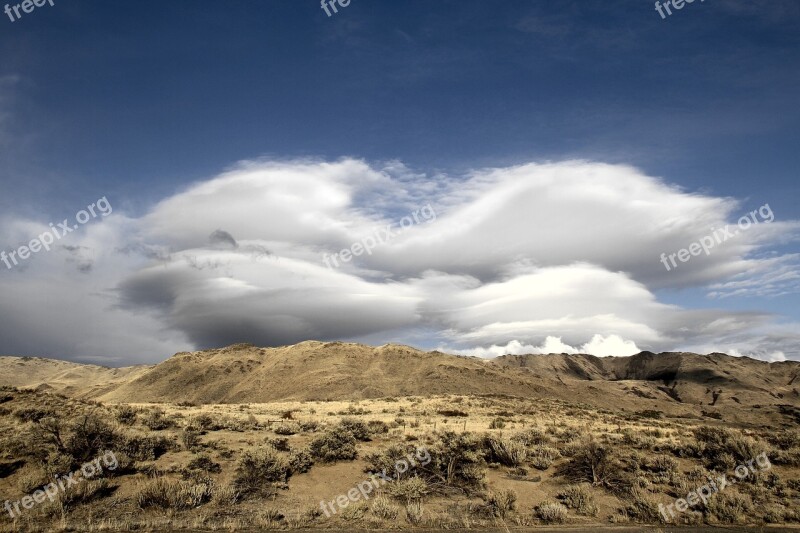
(680, 384)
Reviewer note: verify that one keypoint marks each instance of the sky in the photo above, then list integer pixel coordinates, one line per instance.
(475, 177)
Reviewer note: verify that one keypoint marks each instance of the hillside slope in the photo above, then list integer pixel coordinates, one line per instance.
(63, 377)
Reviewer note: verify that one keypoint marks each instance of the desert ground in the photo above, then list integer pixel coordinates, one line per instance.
(559, 455)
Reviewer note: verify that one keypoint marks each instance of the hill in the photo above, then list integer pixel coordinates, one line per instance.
(680, 384)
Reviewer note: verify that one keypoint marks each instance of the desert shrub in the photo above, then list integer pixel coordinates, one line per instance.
(414, 512)
(301, 461)
(642, 508)
(504, 451)
(33, 414)
(190, 439)
(660, 463)
(261, 470)
(725, 448)
(542, 457)
(167, 494)
(205, 422)
(594, 463)
(408, 490)
(309, 426)
(579, 498)
(502, 502)
(636, 440)
(452, 413)
(729, 507)
(532, 437)
(785, 440)
(4, 398)
(457, 460)
(356, 428)
(288, 415)
(126, 415)
(354, 511)
(145, 448)
(226, 495)
(286, 429)
(279, 443)
(383, 509)
(85, 492)
(388, 460)
(204, 463)
(550, 512)
(90, 435)
(336, 445)
(497, 423)
(353, 410)
(377, 427)
(568, 435)
(30, 478)
(156, 420)
(650, 413)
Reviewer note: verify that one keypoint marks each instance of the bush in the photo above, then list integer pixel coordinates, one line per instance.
(542, 457)
(388, 459)
(286, 429)
(145, 448)
(204, 463)
(550, 512)
(383, 509)
(356, 428)
(594, 463)
(166, 494)
(334, 446)
(725, 448)
(126, 415)
(301, 461)
(729, 507)
(85, 492)
(502, 502)
(497, 423)
(452, 413)
(409, 490)
(190, 439)
(532, 437)
(660, 463)
(506, 452)
(156, 420)
(643, 509)
(579, 498)
(457, 460)
(33, 414)
(259, 471)
(377, 427)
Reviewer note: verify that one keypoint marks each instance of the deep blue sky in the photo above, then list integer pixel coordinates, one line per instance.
(137, 100)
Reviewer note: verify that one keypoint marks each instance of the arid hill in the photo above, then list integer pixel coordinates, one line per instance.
(680, 384)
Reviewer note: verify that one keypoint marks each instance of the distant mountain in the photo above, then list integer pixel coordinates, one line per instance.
(679, 384)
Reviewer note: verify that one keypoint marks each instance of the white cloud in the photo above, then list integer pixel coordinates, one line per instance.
(555, 257)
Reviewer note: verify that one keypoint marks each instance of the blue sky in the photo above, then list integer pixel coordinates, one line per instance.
(143, 102)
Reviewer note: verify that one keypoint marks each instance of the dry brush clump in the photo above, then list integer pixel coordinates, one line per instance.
(579, 498)
(173, 494)
(550, 512)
